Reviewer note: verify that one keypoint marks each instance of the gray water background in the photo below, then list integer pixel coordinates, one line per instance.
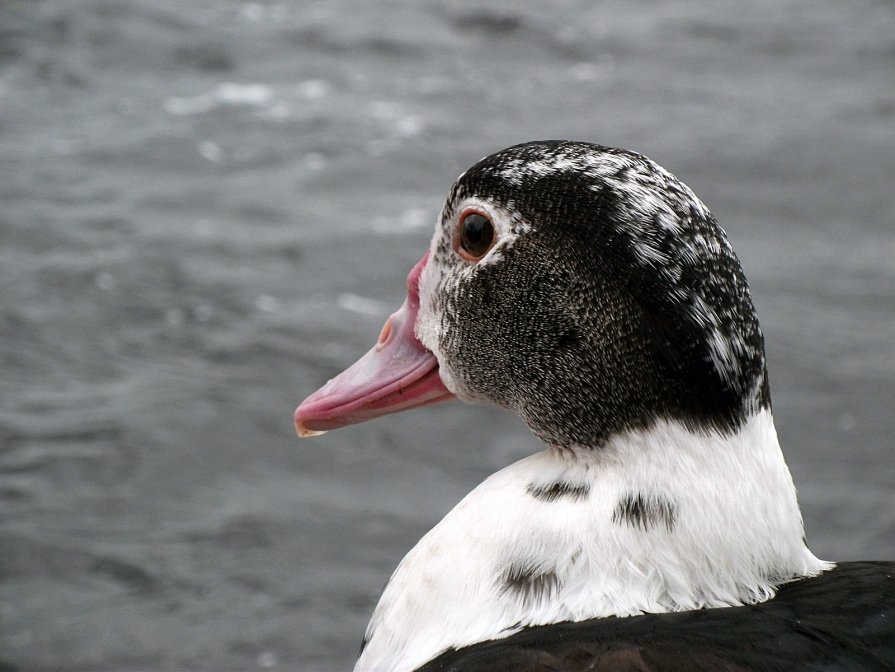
(208, 208)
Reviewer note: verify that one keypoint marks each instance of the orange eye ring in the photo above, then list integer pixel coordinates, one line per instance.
(474, 235)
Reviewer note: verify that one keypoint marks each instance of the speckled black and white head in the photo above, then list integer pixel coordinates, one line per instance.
(607, 297)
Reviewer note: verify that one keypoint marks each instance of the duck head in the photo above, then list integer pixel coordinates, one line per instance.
(585, 288)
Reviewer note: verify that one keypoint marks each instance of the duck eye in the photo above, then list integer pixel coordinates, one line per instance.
(476, 236)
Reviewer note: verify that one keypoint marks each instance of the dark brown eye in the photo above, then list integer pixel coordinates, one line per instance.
(476, 235)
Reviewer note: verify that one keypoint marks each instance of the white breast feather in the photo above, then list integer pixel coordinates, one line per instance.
(736, 535)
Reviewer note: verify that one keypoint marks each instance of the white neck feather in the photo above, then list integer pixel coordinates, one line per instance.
(658, 520)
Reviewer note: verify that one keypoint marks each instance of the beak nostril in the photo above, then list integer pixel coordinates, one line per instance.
(385, 333)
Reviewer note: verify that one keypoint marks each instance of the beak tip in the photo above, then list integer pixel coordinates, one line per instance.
(302, 430)
(305, 433)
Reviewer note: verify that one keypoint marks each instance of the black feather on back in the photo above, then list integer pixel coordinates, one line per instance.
(843, 619)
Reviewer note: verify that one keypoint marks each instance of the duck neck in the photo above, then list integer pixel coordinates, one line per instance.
(656, 520)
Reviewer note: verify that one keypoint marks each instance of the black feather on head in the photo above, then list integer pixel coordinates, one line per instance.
(618, 300)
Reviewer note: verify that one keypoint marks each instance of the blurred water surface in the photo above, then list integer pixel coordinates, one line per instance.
(208, 208)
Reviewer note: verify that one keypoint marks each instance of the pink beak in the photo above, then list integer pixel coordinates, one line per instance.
(396, 375)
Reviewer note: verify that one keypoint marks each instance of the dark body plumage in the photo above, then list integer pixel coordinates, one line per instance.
(843, 619)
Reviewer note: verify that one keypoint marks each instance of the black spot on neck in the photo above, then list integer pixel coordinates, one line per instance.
(528, 584)
(550, 492)
(645, 512)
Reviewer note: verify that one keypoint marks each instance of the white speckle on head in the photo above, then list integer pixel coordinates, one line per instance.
(701, 313)
(722, 355)
(569, 160)
(668, 221)
(514, 171)
(688, 253)
(645, 250)
(725, 350)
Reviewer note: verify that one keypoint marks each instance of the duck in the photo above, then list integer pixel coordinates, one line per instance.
(589, 291)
